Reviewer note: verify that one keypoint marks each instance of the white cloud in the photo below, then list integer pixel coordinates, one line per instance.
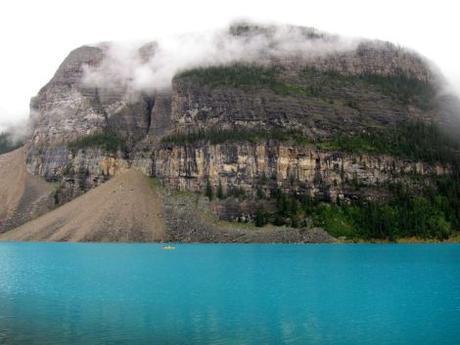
(124, 66)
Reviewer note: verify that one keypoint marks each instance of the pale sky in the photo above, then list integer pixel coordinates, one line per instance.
(37, 35)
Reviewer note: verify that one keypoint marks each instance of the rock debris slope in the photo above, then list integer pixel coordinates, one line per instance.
(124, 209)
(22, 196)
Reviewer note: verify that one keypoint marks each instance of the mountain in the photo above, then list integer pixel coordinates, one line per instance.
(298, 129)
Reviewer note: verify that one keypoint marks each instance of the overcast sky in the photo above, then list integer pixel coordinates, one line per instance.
(37, 35)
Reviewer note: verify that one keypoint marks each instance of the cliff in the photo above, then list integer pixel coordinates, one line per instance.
(338, 126)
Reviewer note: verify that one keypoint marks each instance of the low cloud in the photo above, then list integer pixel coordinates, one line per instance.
(17, 131)
(150, 67)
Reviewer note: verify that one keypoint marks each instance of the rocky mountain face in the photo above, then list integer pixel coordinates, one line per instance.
(240, 129)
(322, 174)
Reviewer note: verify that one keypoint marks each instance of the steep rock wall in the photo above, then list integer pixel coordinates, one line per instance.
(67, 108)
(270, 165)
(75, 171)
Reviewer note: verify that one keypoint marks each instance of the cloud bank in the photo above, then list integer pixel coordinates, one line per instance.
(150, 67)
(17, 131)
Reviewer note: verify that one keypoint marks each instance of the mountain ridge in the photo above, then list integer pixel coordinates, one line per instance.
(317, 123)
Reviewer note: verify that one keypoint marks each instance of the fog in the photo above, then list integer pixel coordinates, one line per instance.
(17, 129)
(150, 67)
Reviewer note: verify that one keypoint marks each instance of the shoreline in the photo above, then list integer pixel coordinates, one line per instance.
(404, 241)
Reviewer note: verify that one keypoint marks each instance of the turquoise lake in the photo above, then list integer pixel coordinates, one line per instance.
(59, 293)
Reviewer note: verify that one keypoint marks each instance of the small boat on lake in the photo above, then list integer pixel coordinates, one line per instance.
(168, 247)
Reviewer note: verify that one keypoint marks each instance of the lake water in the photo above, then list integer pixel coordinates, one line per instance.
(59, 293)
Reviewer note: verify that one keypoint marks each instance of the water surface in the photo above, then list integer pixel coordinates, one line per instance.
(58, 293)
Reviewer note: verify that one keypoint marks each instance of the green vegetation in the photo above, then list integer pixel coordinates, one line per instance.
(245, 28)
(236, 192)
(430, 215)
(107, 141)
(208, 191)
(247, 77)
(236, 75)
(155, 183)
(261, 218)
(433, 213)
(220, 191)
(7, 144)
(219, 136)
(407, 90)
(312, 82)
(402, 88)
(412, 140)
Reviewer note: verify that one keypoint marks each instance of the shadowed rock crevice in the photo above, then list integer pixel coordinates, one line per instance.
(149, 104)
